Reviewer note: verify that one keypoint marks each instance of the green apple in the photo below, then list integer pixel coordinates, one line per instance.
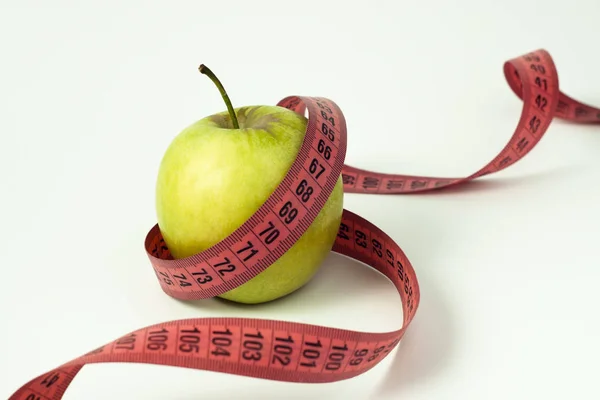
(219, 170)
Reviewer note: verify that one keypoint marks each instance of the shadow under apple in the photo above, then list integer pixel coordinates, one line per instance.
(342, 287)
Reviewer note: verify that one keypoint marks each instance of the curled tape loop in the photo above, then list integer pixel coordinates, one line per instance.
(297, 352)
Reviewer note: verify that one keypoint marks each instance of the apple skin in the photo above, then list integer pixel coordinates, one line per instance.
(212, 178)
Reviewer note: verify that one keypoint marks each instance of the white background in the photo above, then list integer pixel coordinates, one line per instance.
(91, 94)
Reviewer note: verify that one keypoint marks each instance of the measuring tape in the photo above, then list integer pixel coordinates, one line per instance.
(297, 352)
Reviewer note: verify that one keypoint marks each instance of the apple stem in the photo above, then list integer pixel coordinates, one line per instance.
(206, 71)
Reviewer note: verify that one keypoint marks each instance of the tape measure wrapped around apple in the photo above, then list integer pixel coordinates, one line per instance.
(217, 173)
(291, 175)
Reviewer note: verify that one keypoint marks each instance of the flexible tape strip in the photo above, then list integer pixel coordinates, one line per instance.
(291, 351)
